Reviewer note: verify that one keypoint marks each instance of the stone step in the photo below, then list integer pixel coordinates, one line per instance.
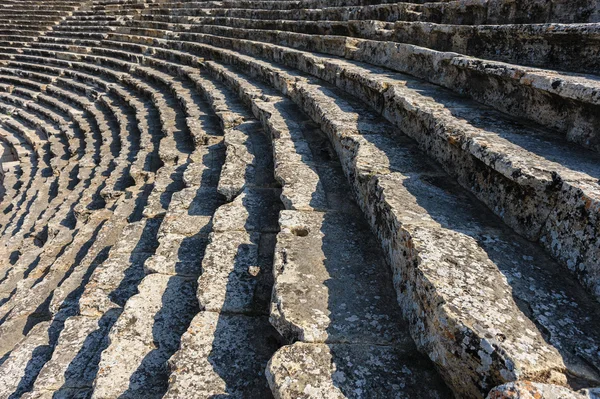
(532, 389)
(529, 143)
(568, 100)
(223, 354)
(142, 88)
(553, 54)
(19, 369)
(21, 152)
(21, 308)
(330, 370)
(60, 224)
(114, 174)
(147, 73)
(545, 153)
(438, 224)
(144, 337)
(17, 139)
(36, 196)
(74, 362)
(57, 200)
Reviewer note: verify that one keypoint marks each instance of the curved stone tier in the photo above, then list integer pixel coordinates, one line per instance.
(299, 199)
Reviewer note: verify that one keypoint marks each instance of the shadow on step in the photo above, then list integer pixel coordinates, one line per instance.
(243, 340)
(179, 306)
(42, 354)
(485, 260)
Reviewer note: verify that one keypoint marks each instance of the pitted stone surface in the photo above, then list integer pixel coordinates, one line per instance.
(352, 371)
(237, 273)
(24, 362)
(150, 326)
(328, 287)
(255, 209)
(225, 355)
(184, 187)
(77, 351)
(532, 390)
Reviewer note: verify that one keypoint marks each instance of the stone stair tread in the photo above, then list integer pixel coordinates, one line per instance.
(71, 370)
(299, 198)
(328, 287)
(352, 371)
(223, 354)
(143, 335)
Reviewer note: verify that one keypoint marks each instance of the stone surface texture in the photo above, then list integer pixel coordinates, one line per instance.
(299, 199)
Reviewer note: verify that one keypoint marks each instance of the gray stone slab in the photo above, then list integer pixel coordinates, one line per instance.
(254, 209)
(146, 334)
(353, 371)
(223, 355)
(331, 282)
(237, 273)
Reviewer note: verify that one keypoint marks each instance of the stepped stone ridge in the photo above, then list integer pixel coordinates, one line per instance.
(299, 199)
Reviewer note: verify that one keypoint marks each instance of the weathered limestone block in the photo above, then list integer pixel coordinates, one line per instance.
(542, 45)
(534, 390)
(112, 283)
(138, 237)
(197, 201)
(20, 368)
(239, 168)
(352, 371)
(178, 255)
(330, 285)
(71, 370)
(223, 354)
(237, 273)
(255, 209)
(205, 166)
(572, 232)
(168, 180)
(144, 337)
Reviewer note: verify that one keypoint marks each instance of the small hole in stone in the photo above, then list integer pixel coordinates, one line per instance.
(300, 231)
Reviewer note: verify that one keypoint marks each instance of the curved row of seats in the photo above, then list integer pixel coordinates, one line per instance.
(181, 224)
(534, 93)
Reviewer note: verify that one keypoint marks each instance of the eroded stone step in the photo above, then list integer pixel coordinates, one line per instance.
(394, 159)
(110, 286)
(352, 371)
(223, 354)
(305, 303)
(509, 143)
